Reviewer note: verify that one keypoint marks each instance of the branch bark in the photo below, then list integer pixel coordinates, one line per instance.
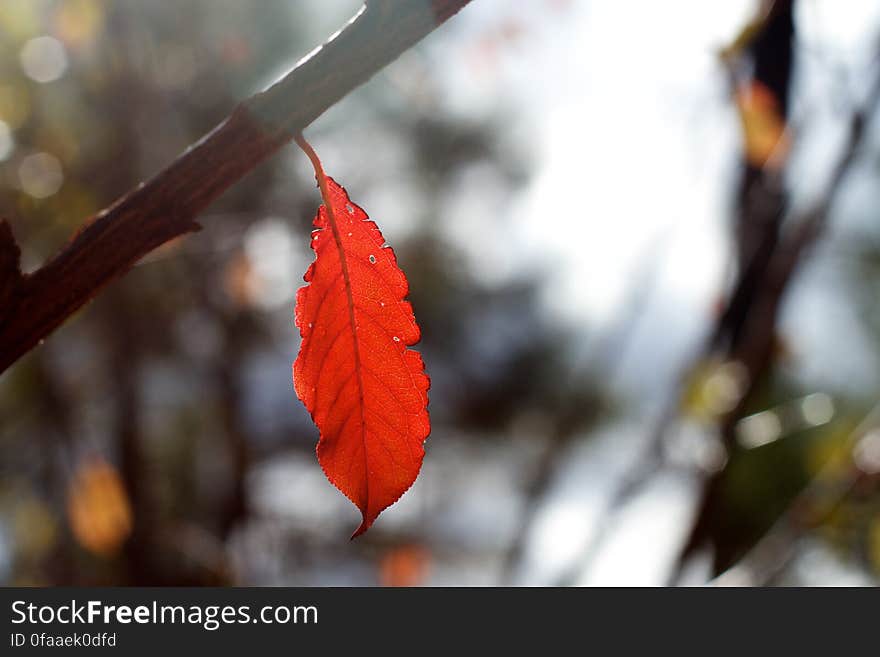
(111, 242)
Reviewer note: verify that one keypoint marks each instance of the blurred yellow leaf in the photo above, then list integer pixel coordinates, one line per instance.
(765, 136)
(744, 38)
(77, 22)
(714, 388)
(834, 451)
(98, 507)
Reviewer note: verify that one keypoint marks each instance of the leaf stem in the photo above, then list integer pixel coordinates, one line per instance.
(320, 176)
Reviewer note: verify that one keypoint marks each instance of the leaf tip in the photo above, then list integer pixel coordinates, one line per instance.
(366, 523)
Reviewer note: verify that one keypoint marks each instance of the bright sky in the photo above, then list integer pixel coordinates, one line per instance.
(633, 134)
(632, 125)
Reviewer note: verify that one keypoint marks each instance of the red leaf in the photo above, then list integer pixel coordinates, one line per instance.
(366, 391)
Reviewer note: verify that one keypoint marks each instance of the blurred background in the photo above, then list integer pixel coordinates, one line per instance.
(643, 249)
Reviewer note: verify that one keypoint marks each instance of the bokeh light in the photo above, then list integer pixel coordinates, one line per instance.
(40, 175)
(43, 59)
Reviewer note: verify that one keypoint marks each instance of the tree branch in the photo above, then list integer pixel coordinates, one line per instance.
(111, 242)
(754, 347)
